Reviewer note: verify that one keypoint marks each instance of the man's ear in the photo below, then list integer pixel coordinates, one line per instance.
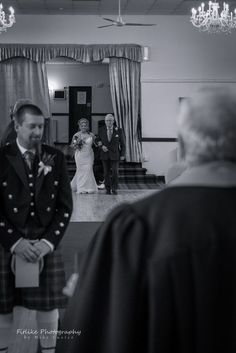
(16, 125)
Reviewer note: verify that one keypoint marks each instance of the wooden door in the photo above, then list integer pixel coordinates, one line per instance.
(80, 106)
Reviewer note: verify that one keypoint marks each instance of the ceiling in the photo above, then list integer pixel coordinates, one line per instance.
(103, 7)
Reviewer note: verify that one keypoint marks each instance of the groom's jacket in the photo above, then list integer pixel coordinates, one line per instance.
(33, 206)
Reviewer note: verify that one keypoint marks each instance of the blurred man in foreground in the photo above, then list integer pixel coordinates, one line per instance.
(160, 274)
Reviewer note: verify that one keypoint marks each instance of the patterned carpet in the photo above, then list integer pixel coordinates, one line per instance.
(138, 186)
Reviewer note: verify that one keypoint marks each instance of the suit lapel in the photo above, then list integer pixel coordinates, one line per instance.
(39, 180)
(38, 184)
(105, 134)
(17, 163)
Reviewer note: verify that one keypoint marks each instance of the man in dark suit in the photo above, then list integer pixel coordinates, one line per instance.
(160, 274)
(112, 149)
(35, 208)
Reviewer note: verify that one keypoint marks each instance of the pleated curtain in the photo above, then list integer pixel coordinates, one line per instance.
(78, 52)
(23, 78)
(125, 93)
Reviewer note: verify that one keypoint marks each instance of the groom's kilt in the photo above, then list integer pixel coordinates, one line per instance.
(46, 297)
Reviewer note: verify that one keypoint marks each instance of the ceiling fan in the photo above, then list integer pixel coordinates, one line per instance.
(119, 22)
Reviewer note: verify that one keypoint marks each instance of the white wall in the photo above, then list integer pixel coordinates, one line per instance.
(96, 76)
(181, 59)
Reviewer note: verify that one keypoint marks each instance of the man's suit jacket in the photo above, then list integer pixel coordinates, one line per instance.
(163, 271)
(51, 196)
(116, 147)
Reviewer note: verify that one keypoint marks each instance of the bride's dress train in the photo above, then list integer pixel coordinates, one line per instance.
(84, 180)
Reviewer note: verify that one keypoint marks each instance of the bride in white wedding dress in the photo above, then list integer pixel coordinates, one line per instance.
(83, 181)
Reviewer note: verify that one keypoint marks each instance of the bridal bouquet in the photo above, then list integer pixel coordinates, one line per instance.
(77, 143)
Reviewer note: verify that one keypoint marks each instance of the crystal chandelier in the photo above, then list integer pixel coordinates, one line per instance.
(213, 20)
(4, 22)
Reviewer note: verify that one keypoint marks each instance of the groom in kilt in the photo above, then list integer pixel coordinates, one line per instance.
(35, 209)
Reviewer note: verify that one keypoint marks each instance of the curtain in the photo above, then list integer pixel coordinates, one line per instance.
(83, 53)
(22, 78)
(125, 92)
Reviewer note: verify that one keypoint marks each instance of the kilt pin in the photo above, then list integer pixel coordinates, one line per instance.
(34, 207)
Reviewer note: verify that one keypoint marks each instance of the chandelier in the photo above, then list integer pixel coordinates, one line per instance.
(4, 22)
(213, 20)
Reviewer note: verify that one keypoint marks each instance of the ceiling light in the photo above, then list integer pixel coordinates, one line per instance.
(4, 22)
(214, 20)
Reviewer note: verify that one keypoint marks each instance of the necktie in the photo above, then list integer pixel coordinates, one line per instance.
(29, 158)
(109, 134)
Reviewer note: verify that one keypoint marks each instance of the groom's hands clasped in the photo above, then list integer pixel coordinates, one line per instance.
(31, 252)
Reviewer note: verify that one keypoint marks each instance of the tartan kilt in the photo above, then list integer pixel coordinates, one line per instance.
(47, 296)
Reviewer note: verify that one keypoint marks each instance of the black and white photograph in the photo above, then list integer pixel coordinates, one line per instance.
(117, 176)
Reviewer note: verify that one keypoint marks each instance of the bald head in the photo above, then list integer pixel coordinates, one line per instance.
(207, 126)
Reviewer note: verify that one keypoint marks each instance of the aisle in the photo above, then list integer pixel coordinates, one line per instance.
(95, 207)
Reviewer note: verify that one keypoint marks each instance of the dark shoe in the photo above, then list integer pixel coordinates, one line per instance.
(114, 192)
(108, 192)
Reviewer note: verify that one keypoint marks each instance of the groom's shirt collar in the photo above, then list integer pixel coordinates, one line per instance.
(23, 149)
